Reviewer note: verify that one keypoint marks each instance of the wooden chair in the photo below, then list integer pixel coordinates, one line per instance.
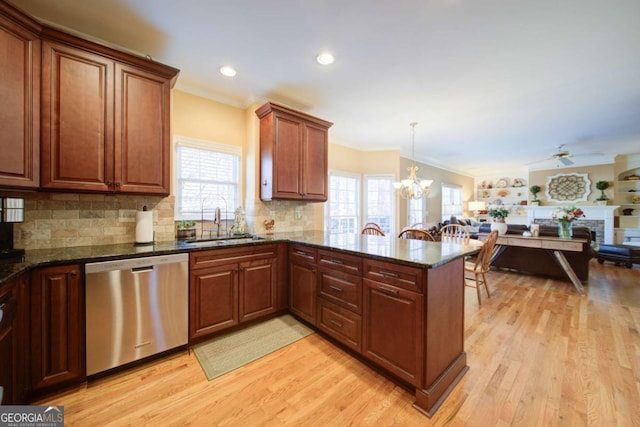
(416, 233)
(454, 233)
(372, 231)
(372, 224)
(476, 270)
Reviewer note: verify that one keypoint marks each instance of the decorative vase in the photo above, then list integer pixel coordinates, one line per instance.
(501, 226)
(564, 230)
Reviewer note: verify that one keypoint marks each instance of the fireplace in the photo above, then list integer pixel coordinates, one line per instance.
(598, 218)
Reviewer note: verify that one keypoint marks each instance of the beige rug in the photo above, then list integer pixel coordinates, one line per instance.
(228, 352)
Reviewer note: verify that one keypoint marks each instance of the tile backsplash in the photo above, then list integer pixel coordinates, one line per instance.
(54, 220)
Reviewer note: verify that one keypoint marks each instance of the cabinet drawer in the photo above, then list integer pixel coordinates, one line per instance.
(303, 253)
(341, 324)
(406, 277)
(341, 288)
(339, 261)
(215, 257)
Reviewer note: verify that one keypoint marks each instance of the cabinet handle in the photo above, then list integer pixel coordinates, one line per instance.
(109, 183)
(335, 261)
(335, 288)
(73, 273)
(302, 253)
(389, 274)
(388, 290)
(336, 323)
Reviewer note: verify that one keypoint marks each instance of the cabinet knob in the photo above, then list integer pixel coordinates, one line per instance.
(117, 183)
(109, 182)
(73, 273)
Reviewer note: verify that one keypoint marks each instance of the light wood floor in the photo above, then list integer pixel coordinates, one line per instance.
(539, 355)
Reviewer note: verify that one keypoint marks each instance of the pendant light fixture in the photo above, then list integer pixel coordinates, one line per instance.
(413, 187)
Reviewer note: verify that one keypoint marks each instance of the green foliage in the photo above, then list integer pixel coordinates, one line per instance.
(535, 189)
(498, 212)
(186, 224)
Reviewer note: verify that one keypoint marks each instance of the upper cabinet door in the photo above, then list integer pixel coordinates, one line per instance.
(315, 163)
(287, 153)
(142, 140)
(77, 119)
(293, 154)
(20, 106)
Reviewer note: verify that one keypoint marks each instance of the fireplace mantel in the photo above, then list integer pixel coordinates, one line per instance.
(591, 212)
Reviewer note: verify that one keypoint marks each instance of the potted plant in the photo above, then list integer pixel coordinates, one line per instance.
(186, 229)
(535, 189)
(499, 214)
(602, 185)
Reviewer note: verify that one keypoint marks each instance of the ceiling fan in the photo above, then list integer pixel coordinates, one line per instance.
(564, 157)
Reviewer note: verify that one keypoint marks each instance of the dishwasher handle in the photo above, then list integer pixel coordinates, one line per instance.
(137, 270)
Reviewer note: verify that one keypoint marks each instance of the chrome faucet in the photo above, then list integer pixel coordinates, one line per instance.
(217, 219)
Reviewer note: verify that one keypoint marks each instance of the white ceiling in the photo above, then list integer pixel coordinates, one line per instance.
(493, 84)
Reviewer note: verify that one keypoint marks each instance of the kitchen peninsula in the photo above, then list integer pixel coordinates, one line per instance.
(396, 303)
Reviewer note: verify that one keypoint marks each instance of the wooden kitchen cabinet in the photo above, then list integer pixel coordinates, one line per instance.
(393, 319)
(20, 106)
(57, 327)
(293, 155)
(257, 288)
(213, 300)
(231, 286)
(105, 121)
(303, 282)
(14, 352)
(392, 330)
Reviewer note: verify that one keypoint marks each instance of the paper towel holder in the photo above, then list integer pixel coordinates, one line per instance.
(144, 237)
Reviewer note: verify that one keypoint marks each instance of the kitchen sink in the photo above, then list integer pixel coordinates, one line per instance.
(221, 241)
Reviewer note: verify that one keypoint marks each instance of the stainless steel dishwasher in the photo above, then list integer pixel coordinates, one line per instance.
(135, 308)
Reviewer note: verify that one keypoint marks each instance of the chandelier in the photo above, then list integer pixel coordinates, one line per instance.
(413, 187)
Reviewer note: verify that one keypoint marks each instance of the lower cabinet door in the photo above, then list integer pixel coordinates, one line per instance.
(302, 291)
(57, 327)
(392, 331)
(257, 289)
(213, 300)
(340, 323)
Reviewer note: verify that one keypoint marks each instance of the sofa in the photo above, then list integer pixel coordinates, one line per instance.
(543, 263)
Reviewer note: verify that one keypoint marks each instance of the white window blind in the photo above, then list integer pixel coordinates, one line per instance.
(207, 176)
(417, 209)
(379, 201)
(451, 201)
(342, 210)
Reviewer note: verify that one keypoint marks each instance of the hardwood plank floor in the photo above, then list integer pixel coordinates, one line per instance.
(539, 354)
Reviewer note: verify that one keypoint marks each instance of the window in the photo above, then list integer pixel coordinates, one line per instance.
(451, 201)
(206, 176)
(417, 210)
(379, 201)
(342, 209)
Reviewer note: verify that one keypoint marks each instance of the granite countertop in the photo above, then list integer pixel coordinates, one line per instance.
(412, 252)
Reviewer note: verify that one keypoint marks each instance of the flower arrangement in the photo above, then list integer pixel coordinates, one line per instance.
(498, 212)
(567, 214)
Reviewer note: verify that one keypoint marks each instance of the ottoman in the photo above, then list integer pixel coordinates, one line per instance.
(625, 254)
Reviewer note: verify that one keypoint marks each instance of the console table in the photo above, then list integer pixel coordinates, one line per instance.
(553, 245)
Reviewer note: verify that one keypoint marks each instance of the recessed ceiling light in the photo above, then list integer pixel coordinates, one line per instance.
(325, 58)
(227, 71)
